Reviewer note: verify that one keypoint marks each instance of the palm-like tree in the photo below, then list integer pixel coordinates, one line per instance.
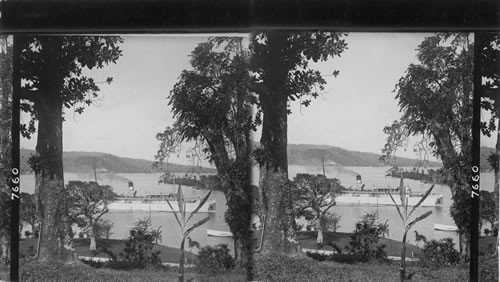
(183, 221)
(156, 235)
(384, 228)
(403, 209)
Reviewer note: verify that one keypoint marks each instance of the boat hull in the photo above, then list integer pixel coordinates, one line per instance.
(385, 200)
(216, 233)
(443, 227)
(160, 206)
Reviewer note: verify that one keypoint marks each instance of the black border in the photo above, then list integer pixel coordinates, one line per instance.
(156, 16)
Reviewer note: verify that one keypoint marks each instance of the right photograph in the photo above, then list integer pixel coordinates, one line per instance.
(363, 152)
(489, 156)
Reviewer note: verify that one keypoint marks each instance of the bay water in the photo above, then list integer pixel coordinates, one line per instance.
(171, 236)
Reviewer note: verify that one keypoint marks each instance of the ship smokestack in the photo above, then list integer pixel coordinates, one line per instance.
(131, 186)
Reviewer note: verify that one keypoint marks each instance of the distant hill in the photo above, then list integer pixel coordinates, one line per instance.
(484, 153)
(84, 161)
(305, 154)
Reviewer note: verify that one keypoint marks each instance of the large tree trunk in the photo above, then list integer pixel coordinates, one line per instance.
(55, 244)
(93, 245)
(279, 235)
(319, 227)
(458, 177)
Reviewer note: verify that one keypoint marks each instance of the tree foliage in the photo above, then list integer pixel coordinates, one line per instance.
(365, 240)
(89, 202)
(212, 107)
(73, 55)
(490, 73)
(54, 76)
(281, 72)
(139, 245)
(28, 211)
(435, 97)
(488, 212)
(314, 196)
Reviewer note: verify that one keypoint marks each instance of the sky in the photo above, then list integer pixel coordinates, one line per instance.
(350, 113)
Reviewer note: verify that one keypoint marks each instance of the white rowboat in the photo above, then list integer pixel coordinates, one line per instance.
(217, 233)
(444, 227)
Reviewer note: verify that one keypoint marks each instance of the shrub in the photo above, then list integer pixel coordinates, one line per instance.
(216, 259)
(488, 268)
(139, 245)
(115, 264)
(436, 254)
(365, 241)
(340, 258)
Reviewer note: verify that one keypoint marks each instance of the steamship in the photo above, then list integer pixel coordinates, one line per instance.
(157, 202)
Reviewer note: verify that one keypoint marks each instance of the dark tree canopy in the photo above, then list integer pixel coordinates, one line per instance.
(490, 72)
(53, 72)
(290, 54)
(281, 73)
(212, 108)
(435, 98)
(74, 54)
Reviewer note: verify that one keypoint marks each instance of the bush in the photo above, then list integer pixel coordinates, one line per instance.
(35, 271)
(213, 260)
(488, 268)
(139, 245)
(115, 264)
(365, 241)
(437, 254)
(340, 258)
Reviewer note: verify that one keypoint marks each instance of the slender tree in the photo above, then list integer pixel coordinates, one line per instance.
(403, 209)
(53, 69)
(183, 221)
(281, 74)
(316, 195)
(435, 97)
(90, 202)
(28, 211)
(212, 107)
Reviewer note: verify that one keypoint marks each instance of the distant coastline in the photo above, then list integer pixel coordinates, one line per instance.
(298, 154)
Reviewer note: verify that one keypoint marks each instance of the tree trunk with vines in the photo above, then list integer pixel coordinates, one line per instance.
(47, 163)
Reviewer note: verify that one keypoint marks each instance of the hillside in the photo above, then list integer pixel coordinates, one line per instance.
(305, 154)
(84, 162)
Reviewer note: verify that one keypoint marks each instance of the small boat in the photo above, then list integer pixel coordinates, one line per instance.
(217, 233)
(443, 227)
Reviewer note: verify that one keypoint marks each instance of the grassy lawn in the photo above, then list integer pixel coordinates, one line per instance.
(266, 268)
(33, 271)
(280, 268)
(4, 272)
(167, 254)
(307, 240)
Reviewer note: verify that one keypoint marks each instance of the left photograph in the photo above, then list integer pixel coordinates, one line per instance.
(135, 156)
(5, 153)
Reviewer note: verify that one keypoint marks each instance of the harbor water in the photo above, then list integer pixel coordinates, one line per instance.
(371, 176)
